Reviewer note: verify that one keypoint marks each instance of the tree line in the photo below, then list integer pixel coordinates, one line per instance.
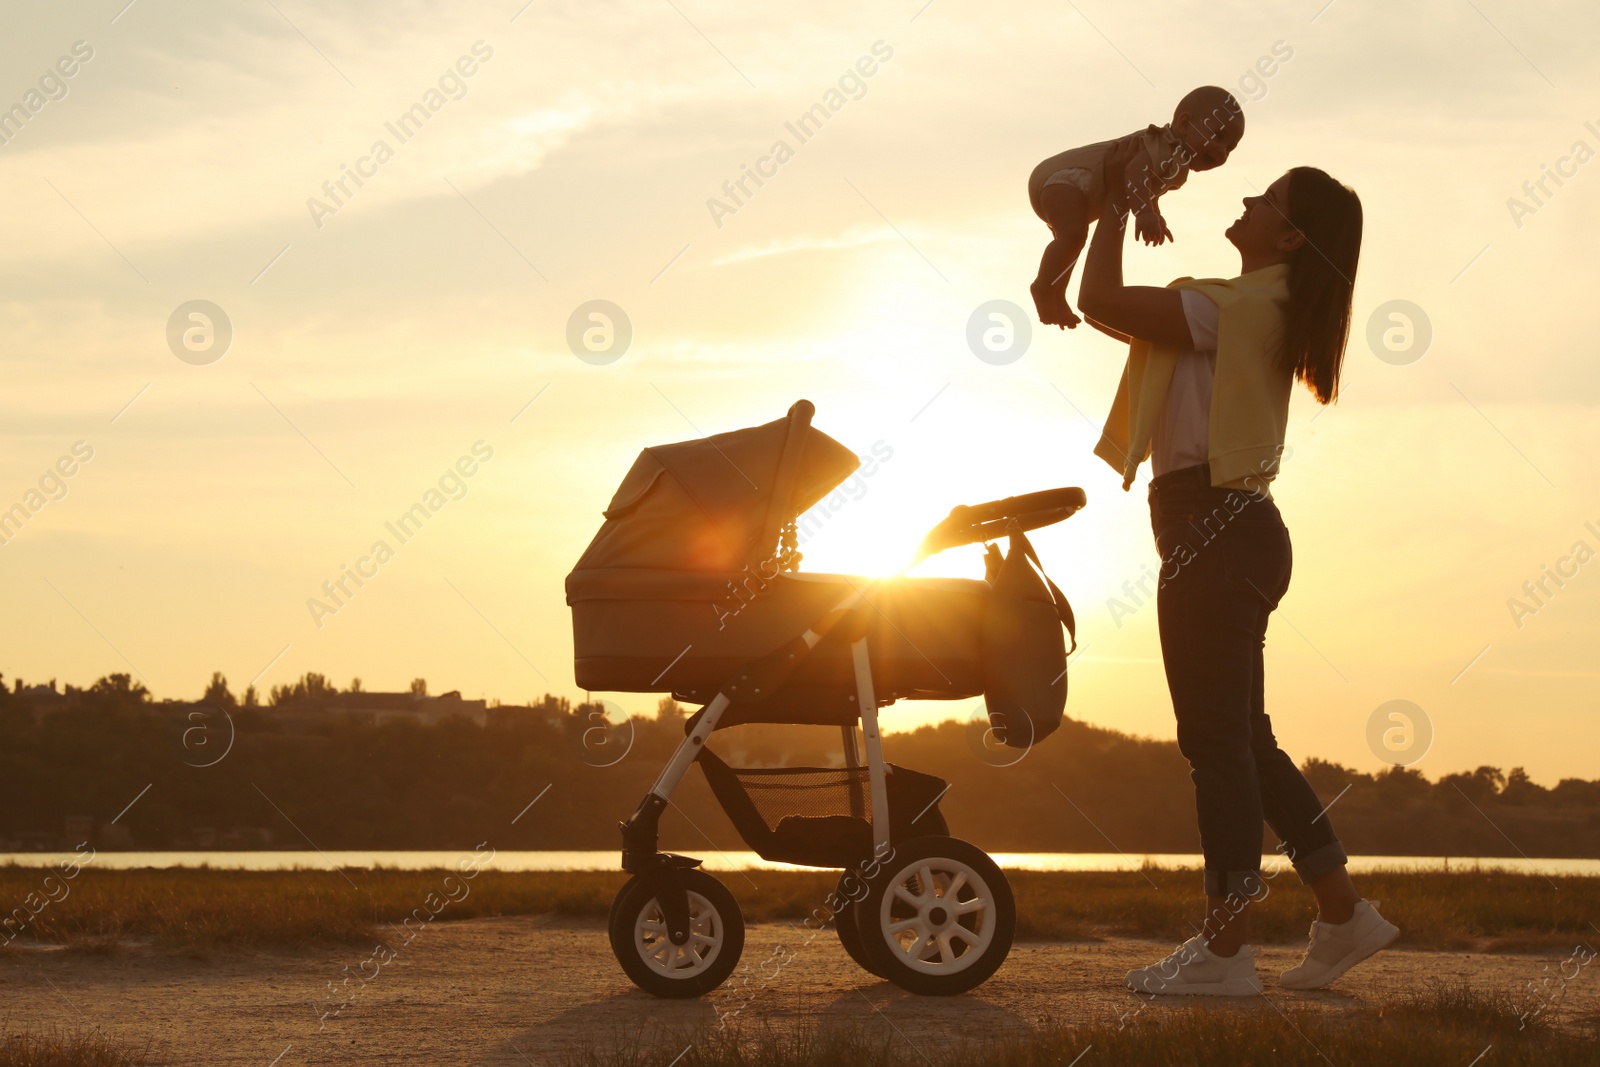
(559, 775)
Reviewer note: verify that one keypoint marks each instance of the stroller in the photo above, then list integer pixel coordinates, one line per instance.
(691, 587)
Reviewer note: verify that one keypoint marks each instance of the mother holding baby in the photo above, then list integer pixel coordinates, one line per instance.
(1205, 394)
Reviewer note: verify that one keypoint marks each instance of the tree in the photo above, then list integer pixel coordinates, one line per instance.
(1520, 789)
(1330, 778)
(117, 686)
(1402, 783)
(311, 686)
(355, 685)
(217, 692)
(1478, 786)
(669, 710)
(252, 699)
(419, 687)
(1576, 791)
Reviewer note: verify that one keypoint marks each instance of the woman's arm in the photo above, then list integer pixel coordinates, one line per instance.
(1135, 310)
(1108, 331)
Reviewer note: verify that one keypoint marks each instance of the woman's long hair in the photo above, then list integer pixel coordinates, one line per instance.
(1322, 275)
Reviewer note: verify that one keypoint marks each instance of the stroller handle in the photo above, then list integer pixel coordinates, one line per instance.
(968, 524)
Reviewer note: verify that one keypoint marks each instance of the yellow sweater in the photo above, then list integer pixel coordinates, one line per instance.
(1249, 393)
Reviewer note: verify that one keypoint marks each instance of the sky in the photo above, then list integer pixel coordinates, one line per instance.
(561, 153)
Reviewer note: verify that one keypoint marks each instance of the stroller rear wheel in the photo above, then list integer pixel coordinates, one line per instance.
(938, 918)
(639, 938)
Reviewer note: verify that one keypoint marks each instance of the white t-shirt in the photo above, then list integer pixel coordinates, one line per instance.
(1182, 435)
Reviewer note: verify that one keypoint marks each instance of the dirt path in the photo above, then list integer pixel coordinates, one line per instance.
(516, 991)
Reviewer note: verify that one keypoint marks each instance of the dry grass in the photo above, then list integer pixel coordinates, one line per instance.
(204, 907)
(1489, 911)
(66, 1050)
(1448, 1026)
(201, 908)
(1444, 1027)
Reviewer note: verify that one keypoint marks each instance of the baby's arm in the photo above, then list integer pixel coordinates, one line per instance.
(1144, 194)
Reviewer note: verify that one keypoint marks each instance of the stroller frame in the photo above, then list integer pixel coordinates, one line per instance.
(641, 855)
(640, 831)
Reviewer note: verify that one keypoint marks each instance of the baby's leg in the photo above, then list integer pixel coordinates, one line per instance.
(1066, 209)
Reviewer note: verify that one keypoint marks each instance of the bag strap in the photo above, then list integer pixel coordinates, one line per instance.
(1063, 608)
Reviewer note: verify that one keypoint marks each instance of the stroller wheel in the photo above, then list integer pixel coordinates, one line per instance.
(611, 918)
(638, 931)
(846, 920)
(938, 918)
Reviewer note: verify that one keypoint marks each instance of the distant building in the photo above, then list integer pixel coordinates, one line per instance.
(378, 708)
(517, 714)
(42, 700)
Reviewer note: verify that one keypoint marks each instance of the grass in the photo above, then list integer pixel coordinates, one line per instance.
(103, 909)
(1447, 1026)
(65, 1050)
(1485, 911)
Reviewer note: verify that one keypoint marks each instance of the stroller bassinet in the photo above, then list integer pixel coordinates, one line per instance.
(688, 581)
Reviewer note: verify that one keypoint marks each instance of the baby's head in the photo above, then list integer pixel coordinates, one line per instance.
(1211, 123)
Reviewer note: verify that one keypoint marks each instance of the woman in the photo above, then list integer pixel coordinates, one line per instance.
(1205, 394)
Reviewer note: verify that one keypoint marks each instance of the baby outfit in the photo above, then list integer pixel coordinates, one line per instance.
(1085, 168)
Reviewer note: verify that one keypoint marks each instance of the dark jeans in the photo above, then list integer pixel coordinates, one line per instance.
(1225, 562)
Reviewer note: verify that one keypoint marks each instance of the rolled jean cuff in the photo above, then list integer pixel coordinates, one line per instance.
(1245, 885)
(1319, 861)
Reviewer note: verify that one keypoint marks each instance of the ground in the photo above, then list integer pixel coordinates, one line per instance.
(507, 991)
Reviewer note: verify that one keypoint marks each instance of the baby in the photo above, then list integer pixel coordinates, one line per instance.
(1068, 190)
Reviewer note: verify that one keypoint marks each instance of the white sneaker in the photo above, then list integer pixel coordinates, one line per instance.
(1337, 947)
(1195, 970)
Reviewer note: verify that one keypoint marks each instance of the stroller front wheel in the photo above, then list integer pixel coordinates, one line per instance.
(938, 919)
(639, 938)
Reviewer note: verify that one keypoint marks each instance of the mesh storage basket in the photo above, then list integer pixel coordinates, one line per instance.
(820, 816)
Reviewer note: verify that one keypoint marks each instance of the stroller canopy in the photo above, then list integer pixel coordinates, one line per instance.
(716, 504)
